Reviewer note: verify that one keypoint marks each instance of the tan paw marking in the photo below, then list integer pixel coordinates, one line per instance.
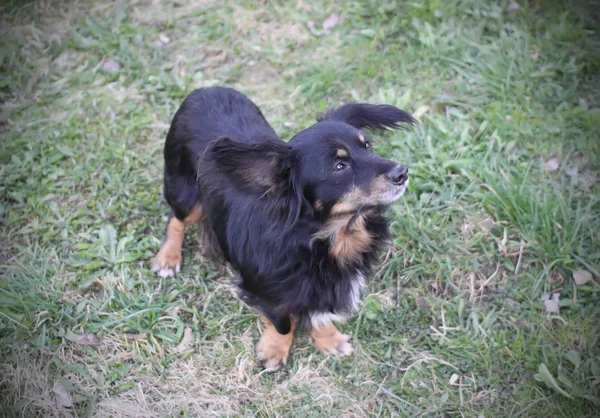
(330, 341)
(167, 262)
(274, 348)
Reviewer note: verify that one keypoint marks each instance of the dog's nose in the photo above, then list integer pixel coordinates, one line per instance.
(398, 175)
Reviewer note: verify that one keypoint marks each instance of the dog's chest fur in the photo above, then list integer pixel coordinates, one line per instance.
(341, 311)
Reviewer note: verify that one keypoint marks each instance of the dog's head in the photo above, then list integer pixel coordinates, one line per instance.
(339, 168)
(331, 165)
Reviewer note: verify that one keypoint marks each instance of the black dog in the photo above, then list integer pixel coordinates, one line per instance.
(301, 222)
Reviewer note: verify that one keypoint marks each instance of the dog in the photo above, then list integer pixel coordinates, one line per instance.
(302, 223)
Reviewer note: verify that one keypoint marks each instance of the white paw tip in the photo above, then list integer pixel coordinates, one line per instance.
(166, 272)
(345, 350)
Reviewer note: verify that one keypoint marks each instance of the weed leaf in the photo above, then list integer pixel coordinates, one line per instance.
(545, 376)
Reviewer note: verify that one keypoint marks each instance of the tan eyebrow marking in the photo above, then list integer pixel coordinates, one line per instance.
(342, 153)
(361, 137)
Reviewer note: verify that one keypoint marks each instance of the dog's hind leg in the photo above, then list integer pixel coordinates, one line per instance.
(274, 347)
(167, 262)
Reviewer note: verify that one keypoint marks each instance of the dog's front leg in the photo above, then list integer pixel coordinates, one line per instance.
(330, 341)
(274, 347)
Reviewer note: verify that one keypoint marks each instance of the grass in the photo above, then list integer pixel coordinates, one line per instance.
(454, 323)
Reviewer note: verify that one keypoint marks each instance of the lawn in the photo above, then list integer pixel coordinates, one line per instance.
(474, 310)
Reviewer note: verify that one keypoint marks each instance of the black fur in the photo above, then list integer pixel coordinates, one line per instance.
(265, 200)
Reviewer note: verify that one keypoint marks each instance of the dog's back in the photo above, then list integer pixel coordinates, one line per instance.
(206, 115)
(211, 113)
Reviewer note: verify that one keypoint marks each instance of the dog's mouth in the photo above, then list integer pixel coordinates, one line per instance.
(379, 196)
(394, 192)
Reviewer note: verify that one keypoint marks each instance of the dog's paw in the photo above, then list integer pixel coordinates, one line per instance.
(273, 349)
(333, 344)
(166, 264)
(272, 358)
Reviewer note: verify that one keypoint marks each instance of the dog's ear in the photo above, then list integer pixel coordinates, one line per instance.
(259, 166)
(369, 116)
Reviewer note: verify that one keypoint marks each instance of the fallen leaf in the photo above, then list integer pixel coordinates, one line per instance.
(420, 111)
(84, 339)
(513, 5)
(313, 29)
(582, 277)
(69, 296)
(552, 303)
(421, 303)
(87, 339)
(331, 22)
(453, 379)
(328, 24)
(62, 397)
(186, 341)
(552, 165)
(111, 66)
(164, 38)
(134, 337)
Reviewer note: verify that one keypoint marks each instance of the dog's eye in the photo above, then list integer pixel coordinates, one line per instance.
(368, 146)
(340, 167)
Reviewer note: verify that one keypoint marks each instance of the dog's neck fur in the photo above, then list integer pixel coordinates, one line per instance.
(348, 237)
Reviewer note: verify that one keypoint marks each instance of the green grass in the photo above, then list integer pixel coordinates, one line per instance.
(454, 323)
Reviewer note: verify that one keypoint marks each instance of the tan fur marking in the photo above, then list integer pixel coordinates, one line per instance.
(196, 215)
(168, 260)
(361, 137)
(342, 153)
(379, 187)
(274, 348)
(342, 207)
(347, 241)
(318, 205)
(329, 340)
(350, 202)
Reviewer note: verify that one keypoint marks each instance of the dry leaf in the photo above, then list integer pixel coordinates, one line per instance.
(552, 303)
(134, 337)
(331, 22)
(421, 303)
(62, 397)
(552, 165)
(328, 24)
(535, 53)
(582, 277)
(186, 341)
(87, 339)
(111, 66)
(453, 379)
(69, 296)
(313, 29)
(164, 38)
(420, 112)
